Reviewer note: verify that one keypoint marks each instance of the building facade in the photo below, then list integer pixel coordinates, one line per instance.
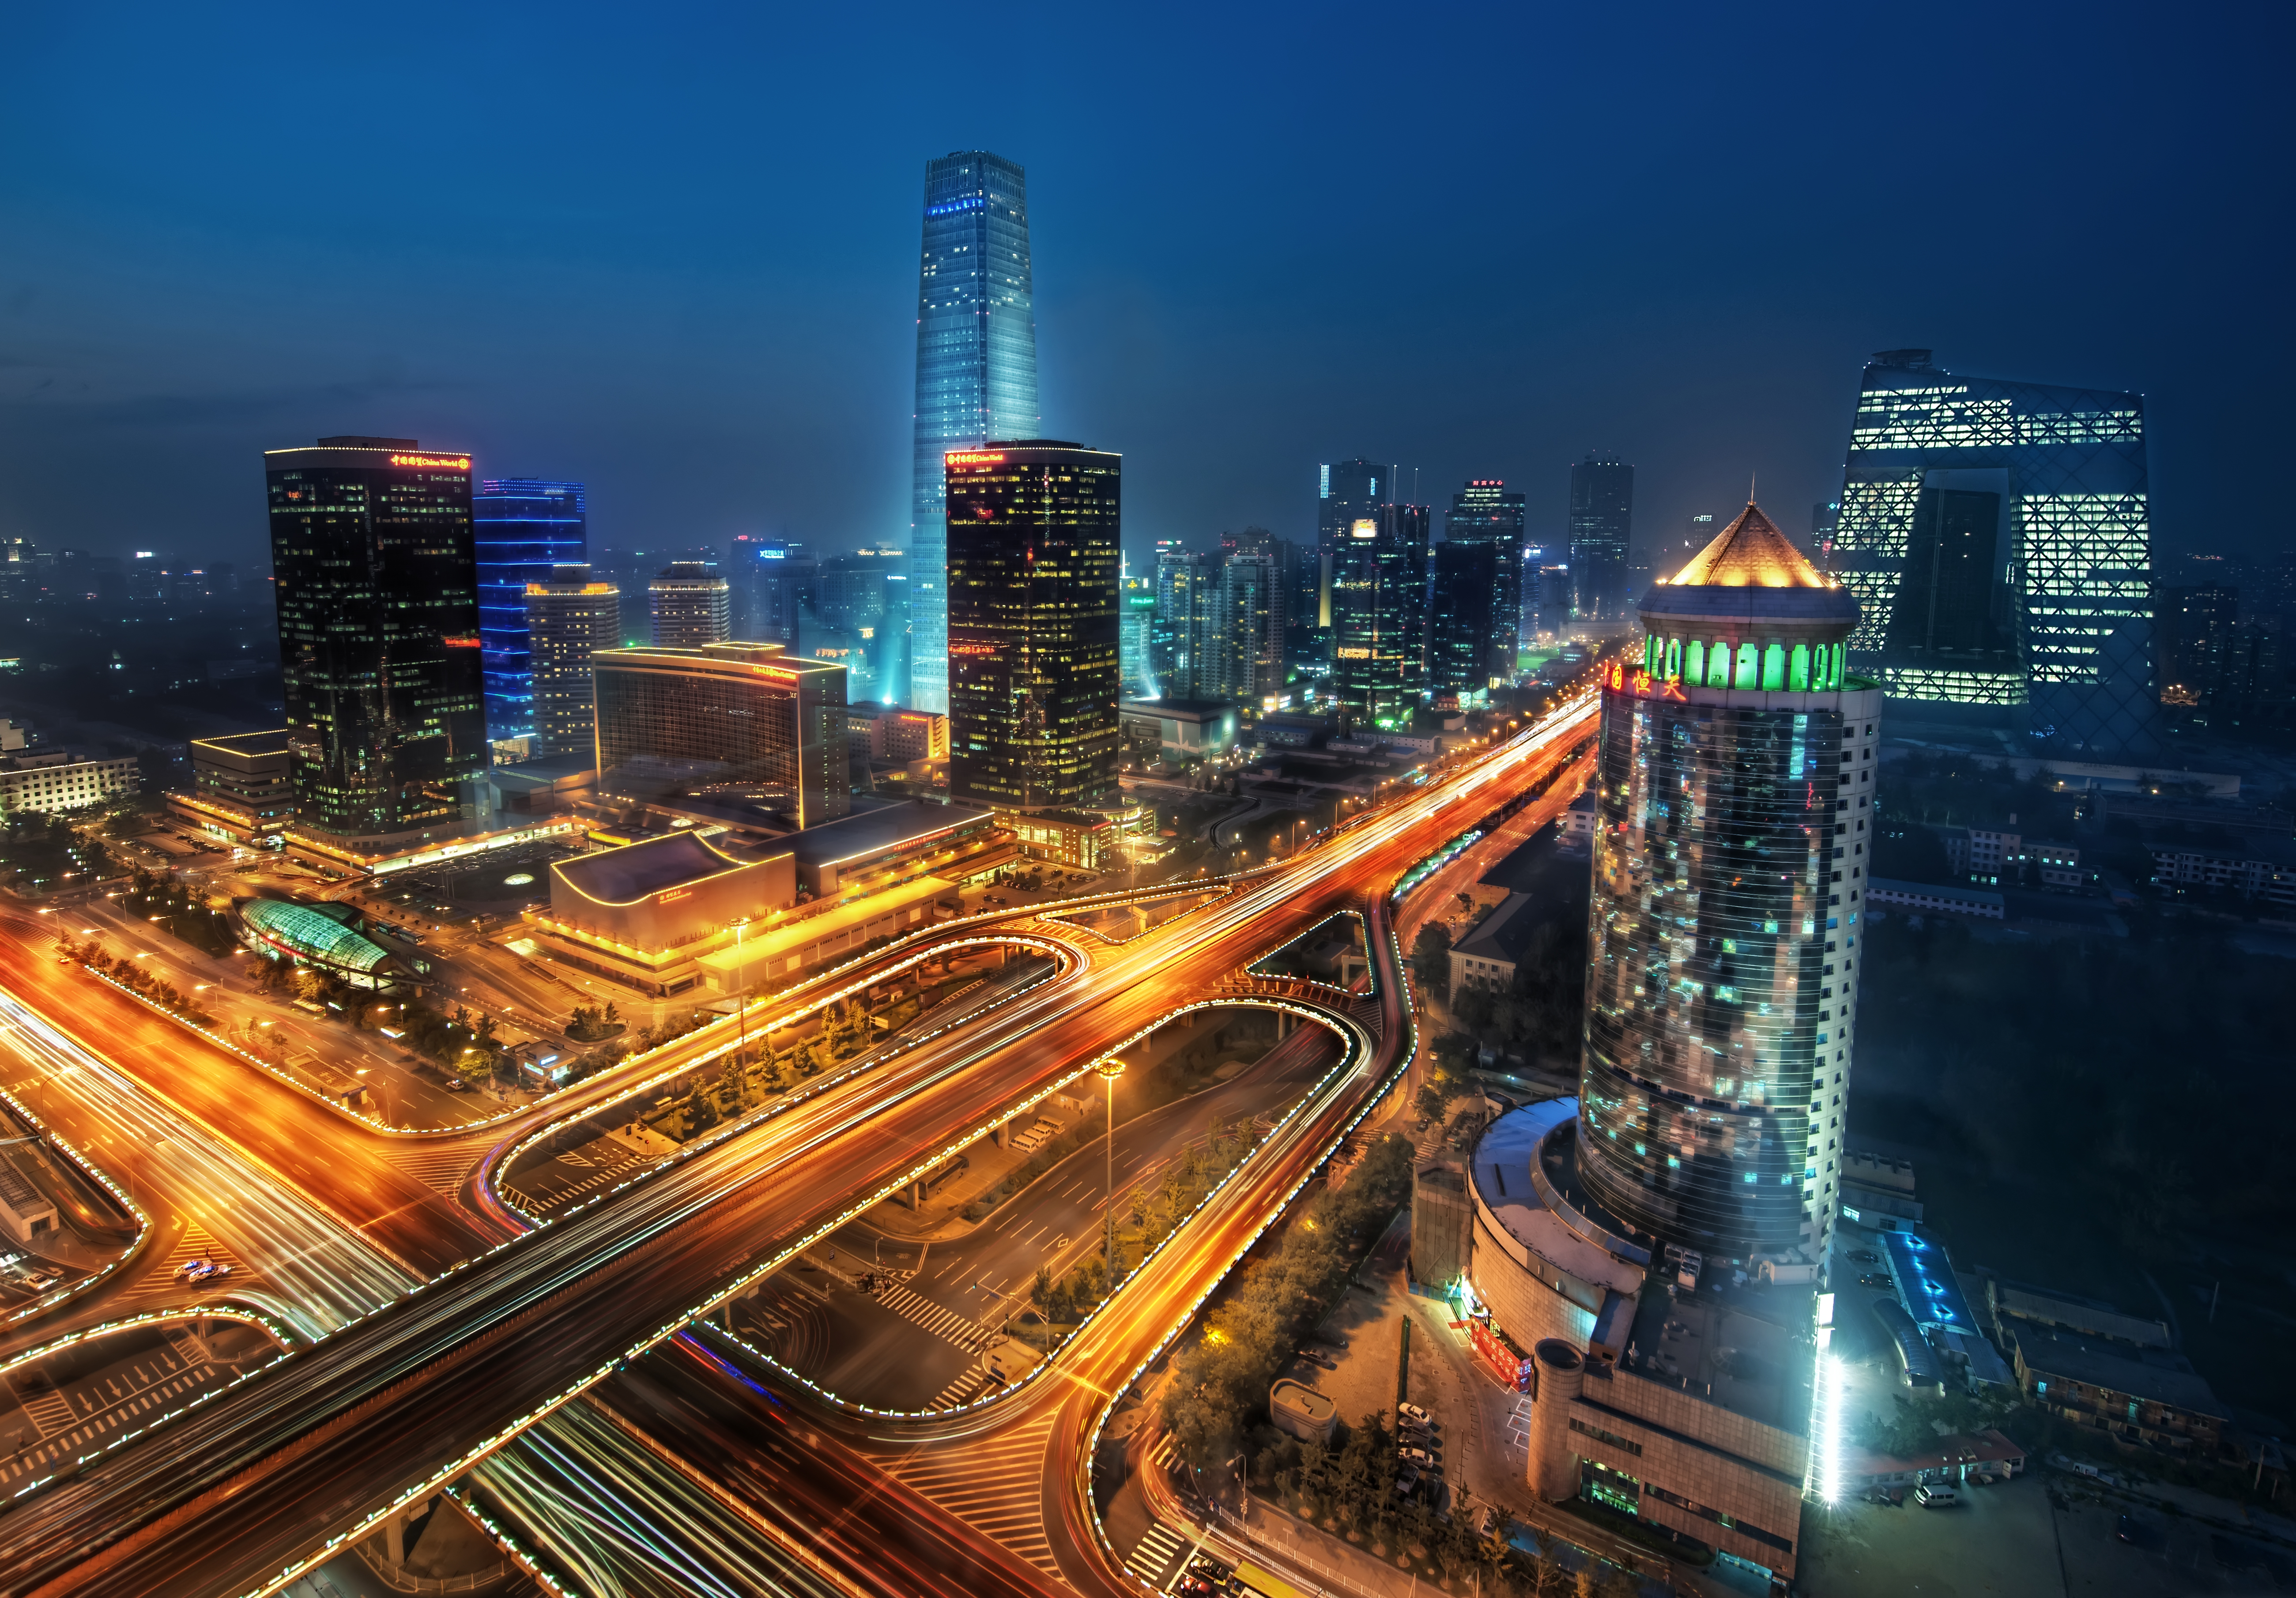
(1465, 632)
(241, 787)
(48, 781)
(744, 722)
(375, 580)
(689, 606)
(569, 618)
(1136, 636)
(1035, 533)
(520, 527)
(1379, 617)
(1601, 531)
(976, 372)
(770, 582)
(1736, 800)
(1486, 514)
(1998, 537)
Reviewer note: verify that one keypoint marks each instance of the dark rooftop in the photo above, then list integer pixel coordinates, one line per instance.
(874, 831)
(2147, 1373)
(625, 875)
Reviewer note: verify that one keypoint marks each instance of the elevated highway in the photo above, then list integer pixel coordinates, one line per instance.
(238, 1496)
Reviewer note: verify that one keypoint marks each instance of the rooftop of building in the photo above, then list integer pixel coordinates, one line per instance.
(637, 870)
(1750, 553)
(1504, 1167)
(1505, 933)
(1178, 709)
(730, 656)
(1947, 893)
(247, 745)
(901, 825)
(2156, 1375)
(2070, 1312)
(318, 932)
(1727, 1348)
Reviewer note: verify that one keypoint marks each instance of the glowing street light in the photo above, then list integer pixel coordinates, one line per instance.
(1109, 1069)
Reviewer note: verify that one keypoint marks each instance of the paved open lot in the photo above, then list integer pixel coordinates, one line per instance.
(1997, 1540)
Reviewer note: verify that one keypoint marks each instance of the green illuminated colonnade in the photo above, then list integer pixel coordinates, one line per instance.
(1769, 664)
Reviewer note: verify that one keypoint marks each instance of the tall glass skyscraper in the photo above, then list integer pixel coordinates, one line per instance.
(1379, 616)
(1735, 784)
(1035, 540)
(376, 588)
(523, 527)
(1998, 537)
(1602, 528)
(1484, 512)
(976, 370)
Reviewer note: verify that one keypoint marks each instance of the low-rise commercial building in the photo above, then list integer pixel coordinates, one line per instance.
(2141, 1398)
(1938, 899)
(867, 852)
(1081, 840)
(1186, 728)
(642, 915)
(241, 788)
(25, 1215)
(1689, 1412)
(1486, 956)
(2259, 867)
(893, 734)
(46, 782)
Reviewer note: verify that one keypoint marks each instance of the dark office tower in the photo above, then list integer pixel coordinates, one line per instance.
(1034, 543)
(1602, 530)
(376, 586)
(1997, 537)
(976, 370)
(689, 605)
(844, 619)
(769, 582)
(1737, 787)
(1379, 616)
(523, 527)
(1462, 622)
(1484, 512)
(570, 616)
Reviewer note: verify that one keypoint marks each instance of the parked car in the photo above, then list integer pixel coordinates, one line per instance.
(1936, 1497)
(1411, 1412)
(1865, 1257)
(1876, 1279)
(1405, 1479)
(1414, 1456)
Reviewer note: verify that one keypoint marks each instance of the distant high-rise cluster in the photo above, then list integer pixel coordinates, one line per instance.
(1218, 625)
(569, 617)
(976, 369)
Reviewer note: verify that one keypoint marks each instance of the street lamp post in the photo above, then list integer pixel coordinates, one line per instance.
(740, 924)
(1109, 1069)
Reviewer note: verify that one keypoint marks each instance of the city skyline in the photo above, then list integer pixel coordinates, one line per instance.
(770, 390)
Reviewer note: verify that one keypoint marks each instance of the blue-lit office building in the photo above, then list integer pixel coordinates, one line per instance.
(976, 371)
(523, 527)
(1998, 537)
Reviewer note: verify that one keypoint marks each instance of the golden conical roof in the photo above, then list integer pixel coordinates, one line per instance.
(1750, 553)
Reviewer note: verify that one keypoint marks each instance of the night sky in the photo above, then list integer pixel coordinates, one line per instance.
(672, 251)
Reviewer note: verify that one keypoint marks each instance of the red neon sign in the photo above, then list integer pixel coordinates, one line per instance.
(455, 462)
(460, 643)
(976, 457)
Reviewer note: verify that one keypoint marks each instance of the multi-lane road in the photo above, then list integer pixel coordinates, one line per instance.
(236, 1497)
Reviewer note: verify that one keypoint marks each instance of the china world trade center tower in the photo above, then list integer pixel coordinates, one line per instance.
(1736, 785)
(976, 370)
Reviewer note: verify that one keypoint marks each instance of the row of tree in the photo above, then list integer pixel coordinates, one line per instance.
(136, 980)
(1220, 1381)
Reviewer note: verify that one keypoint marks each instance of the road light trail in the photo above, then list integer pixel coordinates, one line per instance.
(323, 1275)
(242, 1496)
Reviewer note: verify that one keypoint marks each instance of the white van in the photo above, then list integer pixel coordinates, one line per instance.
(1936, 1497)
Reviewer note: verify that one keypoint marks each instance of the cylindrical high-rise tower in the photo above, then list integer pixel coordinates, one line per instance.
(1737, 793)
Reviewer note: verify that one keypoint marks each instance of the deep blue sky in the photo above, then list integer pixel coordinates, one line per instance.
(672, 250)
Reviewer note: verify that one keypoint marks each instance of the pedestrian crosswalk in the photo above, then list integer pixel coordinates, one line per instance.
(963, 1389)
(1159, 1556)
(996, 1485)
(441, 1170)
(947, 1324)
